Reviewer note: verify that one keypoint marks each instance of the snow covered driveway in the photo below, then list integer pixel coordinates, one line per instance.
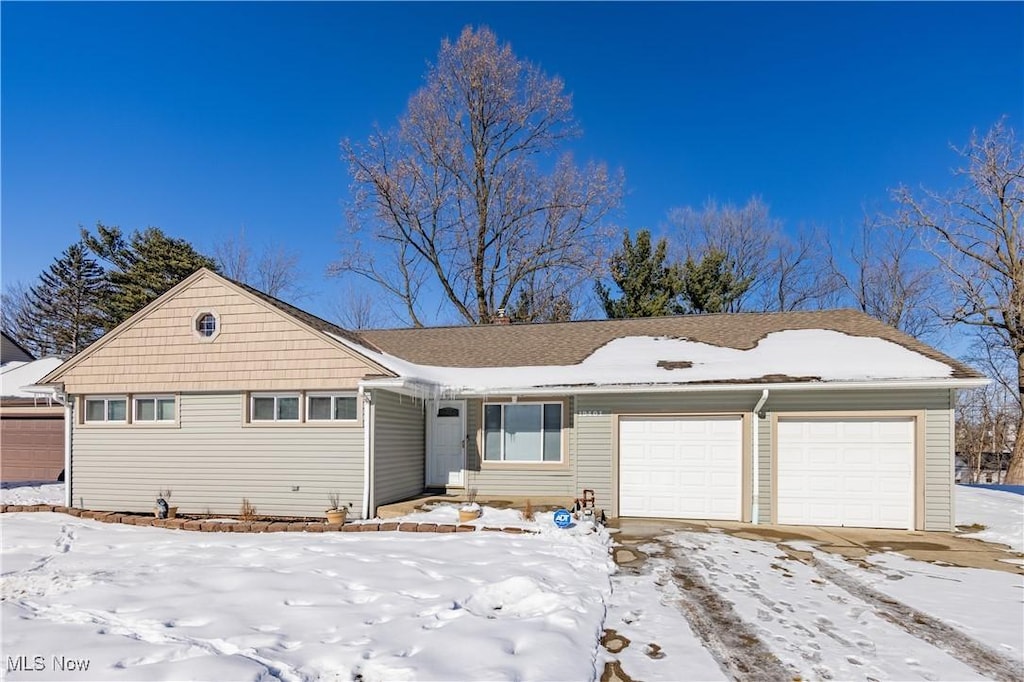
(147, 603)
(823, 618)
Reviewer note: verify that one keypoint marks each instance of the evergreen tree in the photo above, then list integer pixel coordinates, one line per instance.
(649, 286)
(711, 285)
(61, 314)
(140, 268)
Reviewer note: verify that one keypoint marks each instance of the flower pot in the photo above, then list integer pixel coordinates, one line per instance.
(336, 515)
(468, 515)
(171, 512)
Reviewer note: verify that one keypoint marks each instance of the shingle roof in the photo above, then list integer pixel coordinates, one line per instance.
(569, 343)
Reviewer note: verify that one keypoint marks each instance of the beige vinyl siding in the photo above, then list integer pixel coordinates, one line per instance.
(398, 447)
(496, 480)
(258, 348)
(596, 425)
(211, 461)
(937, 406)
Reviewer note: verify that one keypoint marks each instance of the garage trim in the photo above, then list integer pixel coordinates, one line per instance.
(919, 450)
(746, 497)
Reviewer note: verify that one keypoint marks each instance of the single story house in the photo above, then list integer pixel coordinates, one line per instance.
(221, 392)
(31, 420)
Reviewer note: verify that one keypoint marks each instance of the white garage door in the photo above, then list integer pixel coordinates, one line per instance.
(683, 468)
(847, 472)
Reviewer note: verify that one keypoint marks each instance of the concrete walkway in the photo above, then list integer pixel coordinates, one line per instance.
(852, 543)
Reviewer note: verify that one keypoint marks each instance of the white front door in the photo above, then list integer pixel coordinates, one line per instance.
(681, 467)
(446, 455)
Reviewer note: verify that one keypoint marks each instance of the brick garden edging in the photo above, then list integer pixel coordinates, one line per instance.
(257, 526)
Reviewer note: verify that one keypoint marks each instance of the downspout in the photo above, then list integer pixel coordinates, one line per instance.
(755, 453)
(69, 415)
(367, 402)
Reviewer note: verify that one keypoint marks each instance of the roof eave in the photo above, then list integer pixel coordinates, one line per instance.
(413, 386)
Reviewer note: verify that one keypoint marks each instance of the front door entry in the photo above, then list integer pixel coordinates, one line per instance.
(447, 453)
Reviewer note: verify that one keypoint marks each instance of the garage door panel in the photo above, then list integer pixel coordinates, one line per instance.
(681, 467)
(846, 472)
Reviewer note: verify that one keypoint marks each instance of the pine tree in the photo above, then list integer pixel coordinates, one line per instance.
(649, 286)
(61, 314)
(141, 268)
(710, 285)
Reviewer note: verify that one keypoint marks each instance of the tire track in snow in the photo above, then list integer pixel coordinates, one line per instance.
(732, 642)
(919, 624)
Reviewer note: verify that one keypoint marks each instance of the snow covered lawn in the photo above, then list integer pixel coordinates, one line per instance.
(1001, 513)
(147, 603)
(32, 493)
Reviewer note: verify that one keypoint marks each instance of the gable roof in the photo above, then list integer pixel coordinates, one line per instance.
(738, 348)
(570, 343)
(338, 337)
(10, 350)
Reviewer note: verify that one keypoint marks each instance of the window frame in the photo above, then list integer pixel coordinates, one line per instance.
(198, 315)
(106, 400)
(333, 395)
(155, 398)
(563, 450)
(299, 419)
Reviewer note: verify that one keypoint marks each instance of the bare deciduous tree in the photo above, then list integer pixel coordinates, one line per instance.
(976, 233)
(888, 277)
(985, 430)
(357, 309)
(785, 273)
(275, 271)
(14, 307)
(465, 197)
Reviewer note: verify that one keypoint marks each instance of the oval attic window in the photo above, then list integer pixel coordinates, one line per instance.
(206, 324)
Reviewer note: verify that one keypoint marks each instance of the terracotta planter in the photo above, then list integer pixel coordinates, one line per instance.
(336, 515)
(466, 515)
(171, 512)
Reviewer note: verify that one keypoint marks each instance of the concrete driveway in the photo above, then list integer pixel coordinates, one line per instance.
(805, 615)
(852, 543)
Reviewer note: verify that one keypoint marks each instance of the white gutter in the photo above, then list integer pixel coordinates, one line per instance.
(367, 403)
(755, 453)
(69, 415)
(409, 385)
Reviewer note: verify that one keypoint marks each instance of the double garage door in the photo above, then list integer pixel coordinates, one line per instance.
(830, 472)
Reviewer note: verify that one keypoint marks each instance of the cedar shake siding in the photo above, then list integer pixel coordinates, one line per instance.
(211, 460)
(257, 348)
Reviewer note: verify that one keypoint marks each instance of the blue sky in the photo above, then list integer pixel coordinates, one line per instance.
(202, 118)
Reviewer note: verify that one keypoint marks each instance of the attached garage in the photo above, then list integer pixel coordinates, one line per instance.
(846, 471)
(682, 467)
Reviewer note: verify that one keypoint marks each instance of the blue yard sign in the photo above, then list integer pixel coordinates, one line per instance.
(563, 519)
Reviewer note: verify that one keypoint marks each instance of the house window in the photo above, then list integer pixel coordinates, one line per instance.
(206, 324)
(154, 409)
(331, 408)
(274, 408)
(523, 432)
(106, 410)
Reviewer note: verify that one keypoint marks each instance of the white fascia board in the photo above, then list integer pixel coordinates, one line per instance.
(417, 388)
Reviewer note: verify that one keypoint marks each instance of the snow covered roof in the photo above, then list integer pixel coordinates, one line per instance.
(570, 343)
(16, 376)
(788, 356)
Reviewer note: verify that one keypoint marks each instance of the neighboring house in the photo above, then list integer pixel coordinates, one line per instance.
(31, 420)
(992, 469)
(221, 393)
